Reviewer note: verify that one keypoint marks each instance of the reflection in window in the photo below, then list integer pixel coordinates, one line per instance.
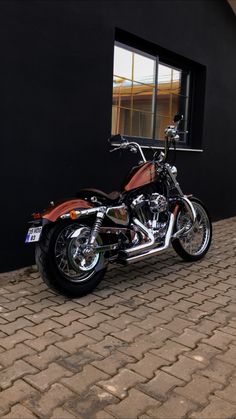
(133, 93)
(146, 94)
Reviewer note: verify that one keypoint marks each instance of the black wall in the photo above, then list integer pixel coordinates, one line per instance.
(56, 63)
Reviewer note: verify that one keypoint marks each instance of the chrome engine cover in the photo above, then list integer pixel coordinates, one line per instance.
(138, 202)
(152, 212)
(158, 203)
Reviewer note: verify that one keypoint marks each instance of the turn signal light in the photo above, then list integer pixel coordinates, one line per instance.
(73, 215)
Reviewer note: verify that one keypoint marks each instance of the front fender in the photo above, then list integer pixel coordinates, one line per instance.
(55, 211)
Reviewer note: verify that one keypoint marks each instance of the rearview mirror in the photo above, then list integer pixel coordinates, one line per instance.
(178, 117)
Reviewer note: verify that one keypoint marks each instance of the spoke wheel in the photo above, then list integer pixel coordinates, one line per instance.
(69, 256)
(63, 262)
(193, 244)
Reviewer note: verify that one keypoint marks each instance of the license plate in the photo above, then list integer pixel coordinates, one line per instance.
(33, 234)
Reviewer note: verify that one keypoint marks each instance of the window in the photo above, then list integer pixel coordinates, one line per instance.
(147, 93)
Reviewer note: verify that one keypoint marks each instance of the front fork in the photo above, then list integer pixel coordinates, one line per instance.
(187, 203)
(193, 216)
(190, 208)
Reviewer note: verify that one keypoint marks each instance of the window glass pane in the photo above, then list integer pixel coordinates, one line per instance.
(141, 124)
(164, 74)
(143, 96)
(176, 81)
(122, 92)
(122, 63)
(161, 123)
(144, 69)
(121, 120)
(141, 108)
(172, 97)
(179, 104)
(114, 123)
(176, 75)
(133, 93)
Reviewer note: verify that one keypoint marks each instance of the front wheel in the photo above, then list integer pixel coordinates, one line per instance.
(62, 263)
(193, 245)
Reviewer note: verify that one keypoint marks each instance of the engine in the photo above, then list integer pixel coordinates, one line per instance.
(157, 203)
(151, 210)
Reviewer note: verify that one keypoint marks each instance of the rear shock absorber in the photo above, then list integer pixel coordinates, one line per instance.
(96, 227)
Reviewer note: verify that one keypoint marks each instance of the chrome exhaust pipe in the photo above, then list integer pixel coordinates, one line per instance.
(141, 247)
(152, 252)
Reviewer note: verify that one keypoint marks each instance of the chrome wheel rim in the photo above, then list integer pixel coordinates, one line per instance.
(196, 240)
(69, 256)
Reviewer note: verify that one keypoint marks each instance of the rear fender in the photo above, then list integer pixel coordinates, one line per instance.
(54, 212)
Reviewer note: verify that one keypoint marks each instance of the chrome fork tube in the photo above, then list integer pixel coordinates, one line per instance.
(190, 208)
(188, 204)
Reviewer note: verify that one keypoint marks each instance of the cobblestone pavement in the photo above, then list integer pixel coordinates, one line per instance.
(154, 340)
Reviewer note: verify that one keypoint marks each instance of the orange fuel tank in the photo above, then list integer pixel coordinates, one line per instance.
(140, 176)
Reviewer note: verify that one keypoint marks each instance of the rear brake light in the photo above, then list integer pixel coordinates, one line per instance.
(36, 215)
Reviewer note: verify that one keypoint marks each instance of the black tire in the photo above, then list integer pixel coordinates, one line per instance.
(178, 244)
(51, 273)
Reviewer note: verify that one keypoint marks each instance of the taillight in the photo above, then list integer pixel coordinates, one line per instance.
(36, 215)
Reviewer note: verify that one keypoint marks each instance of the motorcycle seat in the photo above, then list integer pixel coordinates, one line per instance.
(89, 192)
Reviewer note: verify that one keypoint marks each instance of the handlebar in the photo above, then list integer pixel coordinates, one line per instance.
(116, 139)
(171, 134)
(125, 144)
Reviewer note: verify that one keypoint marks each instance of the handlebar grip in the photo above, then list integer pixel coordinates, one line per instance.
(114, 139)
(117, 139)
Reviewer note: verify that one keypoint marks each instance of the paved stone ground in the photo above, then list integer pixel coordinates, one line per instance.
(154, 340)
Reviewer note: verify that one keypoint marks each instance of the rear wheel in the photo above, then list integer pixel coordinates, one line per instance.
(193, 245)
(63, 263)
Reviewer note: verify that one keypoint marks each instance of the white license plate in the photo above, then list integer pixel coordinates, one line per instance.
(33, 234)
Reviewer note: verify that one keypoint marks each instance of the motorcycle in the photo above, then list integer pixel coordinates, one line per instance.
(76, 239)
